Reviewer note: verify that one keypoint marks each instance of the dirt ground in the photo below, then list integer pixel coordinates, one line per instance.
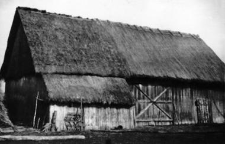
(194, 134)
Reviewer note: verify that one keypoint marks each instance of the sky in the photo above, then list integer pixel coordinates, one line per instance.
(203, 17)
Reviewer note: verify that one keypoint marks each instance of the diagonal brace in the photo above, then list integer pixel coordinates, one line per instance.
(151, 102)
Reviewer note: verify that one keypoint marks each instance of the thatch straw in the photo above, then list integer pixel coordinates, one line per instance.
(91, 89)
(68, 45)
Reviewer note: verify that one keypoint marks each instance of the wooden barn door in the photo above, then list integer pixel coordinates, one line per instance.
(154, 105)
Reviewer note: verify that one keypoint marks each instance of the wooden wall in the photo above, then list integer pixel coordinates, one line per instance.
(21, 94)
(105, 118)
(20, 99)
(98, 118)
(182, 109)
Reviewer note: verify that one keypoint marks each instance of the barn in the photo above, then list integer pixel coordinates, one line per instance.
(67, 70)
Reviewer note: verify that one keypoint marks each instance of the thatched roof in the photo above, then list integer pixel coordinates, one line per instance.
(73, 45)
(92, 89)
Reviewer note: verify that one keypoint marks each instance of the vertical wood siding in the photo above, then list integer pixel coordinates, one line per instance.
(20, 99)
(98, 118)
(107, 118)
(184, 104)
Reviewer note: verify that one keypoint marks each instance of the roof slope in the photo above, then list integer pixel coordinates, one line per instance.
(91, 89)
(69, 45)
(65, 45)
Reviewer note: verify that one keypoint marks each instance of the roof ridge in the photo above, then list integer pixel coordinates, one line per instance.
(137, 27)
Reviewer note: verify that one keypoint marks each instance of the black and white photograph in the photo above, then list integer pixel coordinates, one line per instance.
(112, 71)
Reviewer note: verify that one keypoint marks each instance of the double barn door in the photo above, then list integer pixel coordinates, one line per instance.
(154, 105)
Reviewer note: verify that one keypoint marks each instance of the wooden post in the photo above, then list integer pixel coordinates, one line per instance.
(53, 122)
(38, 122)
(82, 115)
(173, 113)
(35, 110)
(134, 115)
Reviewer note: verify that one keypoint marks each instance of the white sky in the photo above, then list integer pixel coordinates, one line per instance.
(203, 17)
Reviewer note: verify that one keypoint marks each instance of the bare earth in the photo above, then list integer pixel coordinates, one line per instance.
(193, 134)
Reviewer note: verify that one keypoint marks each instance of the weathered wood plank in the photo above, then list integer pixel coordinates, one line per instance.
(155, 120)
(39, 138)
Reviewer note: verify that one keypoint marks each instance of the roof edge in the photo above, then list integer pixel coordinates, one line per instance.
(140, 28)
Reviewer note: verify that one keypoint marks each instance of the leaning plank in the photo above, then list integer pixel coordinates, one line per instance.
(35, 111)
(37, 138)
